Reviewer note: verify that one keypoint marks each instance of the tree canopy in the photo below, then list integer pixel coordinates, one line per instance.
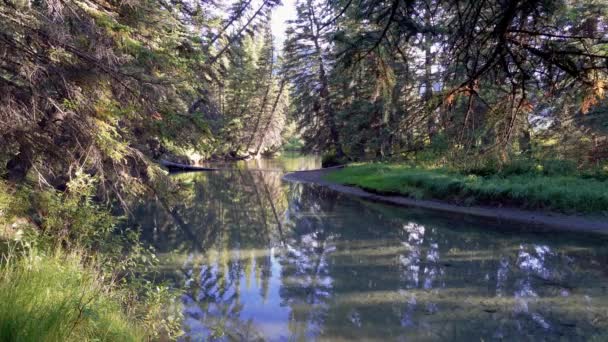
(107, 86)
(474, 77)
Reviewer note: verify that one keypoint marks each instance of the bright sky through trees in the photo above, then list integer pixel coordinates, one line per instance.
(280, 16)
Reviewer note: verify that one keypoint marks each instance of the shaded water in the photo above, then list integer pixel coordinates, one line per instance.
(262, 259)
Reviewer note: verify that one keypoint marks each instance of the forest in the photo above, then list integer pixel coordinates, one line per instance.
(485, 102)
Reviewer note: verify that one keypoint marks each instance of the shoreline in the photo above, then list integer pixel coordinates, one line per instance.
(552, 220)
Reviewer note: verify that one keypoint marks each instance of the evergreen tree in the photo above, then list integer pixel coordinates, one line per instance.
(308, 67)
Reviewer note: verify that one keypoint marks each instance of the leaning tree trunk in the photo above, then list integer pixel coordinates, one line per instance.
(269, 122)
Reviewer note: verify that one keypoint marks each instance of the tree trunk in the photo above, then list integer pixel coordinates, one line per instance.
(267, 127)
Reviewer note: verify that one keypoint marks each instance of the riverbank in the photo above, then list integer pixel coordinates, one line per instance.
(71, 270)
(59, 297)
(536, 218)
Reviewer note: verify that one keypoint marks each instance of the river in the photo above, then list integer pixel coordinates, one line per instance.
(258, 258)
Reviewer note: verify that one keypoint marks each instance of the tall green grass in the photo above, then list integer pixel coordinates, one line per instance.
(70, 295)
(56, 298)
(536, 187)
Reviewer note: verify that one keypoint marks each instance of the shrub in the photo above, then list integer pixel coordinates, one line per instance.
(558, 167)
(487, 167)
(518, 166)
(293, 144)
(599, 172)
(73, 217)
(96, 291)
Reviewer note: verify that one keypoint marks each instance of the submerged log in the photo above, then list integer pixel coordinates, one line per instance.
(183, 167)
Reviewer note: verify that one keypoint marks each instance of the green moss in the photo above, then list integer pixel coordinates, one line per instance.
(558, 188)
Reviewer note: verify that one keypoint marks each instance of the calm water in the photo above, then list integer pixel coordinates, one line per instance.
(263, 259)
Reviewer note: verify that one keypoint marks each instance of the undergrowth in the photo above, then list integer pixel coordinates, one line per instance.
(57, 297)
(68, 274)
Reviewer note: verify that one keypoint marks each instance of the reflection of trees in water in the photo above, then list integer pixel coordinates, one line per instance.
(508, 287)
(212, 300)
(347, 269)
(531, 263)
(411, 263)
(529, 274)
(233, 217)
(517, 289)
(208, 209)
(448, 284)
(306, 281)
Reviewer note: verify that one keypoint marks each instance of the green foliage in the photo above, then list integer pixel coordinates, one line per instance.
(524, 166)
(486, 167)
(12, 203)
(291, 140)
(519, 167)
(307, 67)
(293, 144)
(518, 187)
(253, 99)
(101, 266)
(556, 167)
(73, 217)
(56, 298)
(381, 86)
(599, 172)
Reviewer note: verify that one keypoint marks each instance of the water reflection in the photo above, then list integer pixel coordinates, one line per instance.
(260, 259)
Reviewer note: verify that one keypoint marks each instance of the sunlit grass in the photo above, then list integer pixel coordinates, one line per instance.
(565, 193)
(56, 298)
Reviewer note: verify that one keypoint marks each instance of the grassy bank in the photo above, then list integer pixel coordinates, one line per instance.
(533, 187)
(68, 274)
(56, 298)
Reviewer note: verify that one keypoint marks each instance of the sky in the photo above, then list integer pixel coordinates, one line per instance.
(280, 15)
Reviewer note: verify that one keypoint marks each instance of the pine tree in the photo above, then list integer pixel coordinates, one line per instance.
(308, 67)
